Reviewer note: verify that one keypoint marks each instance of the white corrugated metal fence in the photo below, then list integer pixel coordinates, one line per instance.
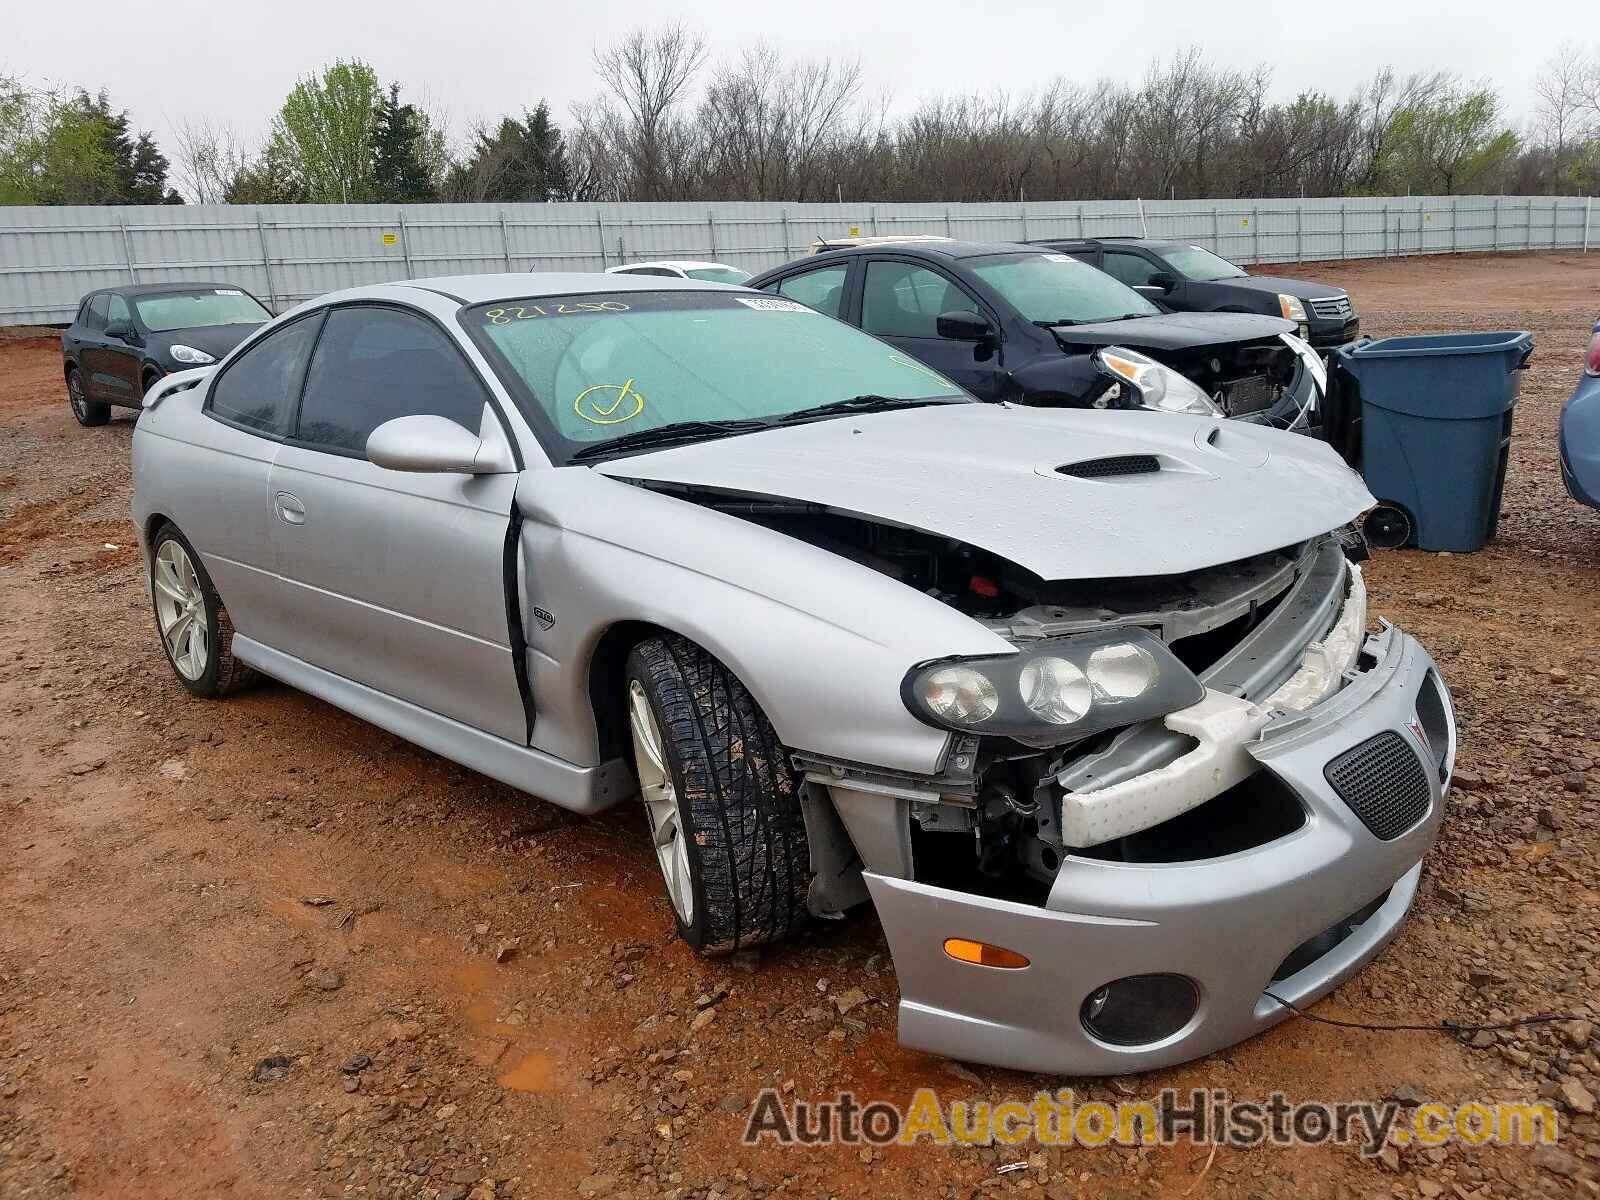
(286, 253)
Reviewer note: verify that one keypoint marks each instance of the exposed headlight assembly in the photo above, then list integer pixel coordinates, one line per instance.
(1154, 385)
(1055, 690)
(1291, 308)
(195, 358)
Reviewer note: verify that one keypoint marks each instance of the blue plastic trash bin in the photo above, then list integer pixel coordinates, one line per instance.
(1435, 433)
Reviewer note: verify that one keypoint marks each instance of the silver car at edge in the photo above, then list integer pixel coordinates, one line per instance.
(1085, 703)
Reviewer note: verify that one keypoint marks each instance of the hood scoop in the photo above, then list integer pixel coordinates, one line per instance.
(1111, 466)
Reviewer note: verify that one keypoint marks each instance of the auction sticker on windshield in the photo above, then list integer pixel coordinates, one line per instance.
(772, 304)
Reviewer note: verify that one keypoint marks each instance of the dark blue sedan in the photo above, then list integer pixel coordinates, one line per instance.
(1580, 431)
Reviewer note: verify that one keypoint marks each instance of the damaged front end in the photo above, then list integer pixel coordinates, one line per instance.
(1155, 875)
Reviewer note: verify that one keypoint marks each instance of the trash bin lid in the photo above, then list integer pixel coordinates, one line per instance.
(1444, 376)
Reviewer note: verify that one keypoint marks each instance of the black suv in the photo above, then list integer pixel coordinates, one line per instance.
(1189, 278)
(123, 339)
(1015, 322)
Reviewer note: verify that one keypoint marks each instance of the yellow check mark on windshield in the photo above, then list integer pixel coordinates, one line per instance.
(629, 403)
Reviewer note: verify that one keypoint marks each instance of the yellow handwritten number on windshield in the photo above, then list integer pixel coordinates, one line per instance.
(609, 403)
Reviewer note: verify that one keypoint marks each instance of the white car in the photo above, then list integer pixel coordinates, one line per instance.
(684, 268)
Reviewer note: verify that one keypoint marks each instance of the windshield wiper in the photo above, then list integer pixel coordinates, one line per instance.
(669, 435)
(870, 402)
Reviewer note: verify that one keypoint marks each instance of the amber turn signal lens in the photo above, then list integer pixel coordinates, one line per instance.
(983, 954)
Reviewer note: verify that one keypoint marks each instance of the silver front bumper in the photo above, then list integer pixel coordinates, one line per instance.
(1226, 923)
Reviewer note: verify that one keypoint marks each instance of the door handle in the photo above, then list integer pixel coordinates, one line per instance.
(290, 510)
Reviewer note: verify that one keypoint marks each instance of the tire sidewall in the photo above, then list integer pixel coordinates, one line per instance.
(207, 684)
(82, 407)
(698, 931)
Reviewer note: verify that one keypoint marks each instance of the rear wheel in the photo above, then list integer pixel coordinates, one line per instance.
(194, 626)
(720, 798)
(87, 411)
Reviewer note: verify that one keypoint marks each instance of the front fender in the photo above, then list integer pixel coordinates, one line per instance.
(822, 643)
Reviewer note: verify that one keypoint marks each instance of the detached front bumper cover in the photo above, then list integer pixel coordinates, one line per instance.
(1231, 924)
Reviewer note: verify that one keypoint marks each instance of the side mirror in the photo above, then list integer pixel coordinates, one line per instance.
(121, 330)
(1163, 281)
(962, 326)
(432, 444)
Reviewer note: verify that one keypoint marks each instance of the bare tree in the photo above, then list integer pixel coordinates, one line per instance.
(210, 156)
(649, 75)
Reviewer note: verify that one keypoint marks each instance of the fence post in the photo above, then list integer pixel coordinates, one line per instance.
(1455, 224)
(872, 214)
(127, 250)
(1080, 218)
(1299, 238)
(1386, 231)
(405, 245)
(1588, 204)
(711, 227)
(1255, 224)
(785, 218)
(1527, 225)
(266, 260)
(1216, 231)
(1497, 200)
(600, 227)
(505, 239)
(1023, 214)
(1144, 228)
(949, 229)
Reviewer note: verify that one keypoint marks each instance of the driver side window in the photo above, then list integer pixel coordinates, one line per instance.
(1135, 270)
(902, 300)
(374, 364)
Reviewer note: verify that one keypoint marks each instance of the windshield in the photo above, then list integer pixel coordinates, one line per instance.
(717, 274)
(1194, 263)
(194, 310)
(590, 369)
(1053, 289)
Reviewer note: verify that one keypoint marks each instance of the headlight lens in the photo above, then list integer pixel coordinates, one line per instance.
(1291, 308)
(961, 695)
(1155, 385)
(188, 354)
(1055, 690)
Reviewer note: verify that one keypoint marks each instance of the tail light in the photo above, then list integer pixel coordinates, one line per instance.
(1591, 364)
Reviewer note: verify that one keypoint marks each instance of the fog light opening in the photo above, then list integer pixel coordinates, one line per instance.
(1140, 1009)
(982, 954)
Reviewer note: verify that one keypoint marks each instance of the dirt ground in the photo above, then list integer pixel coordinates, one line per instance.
(251, 948)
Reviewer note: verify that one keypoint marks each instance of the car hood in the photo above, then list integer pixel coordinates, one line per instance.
(1175, 331)
(1301, 288)
(215, 340)
(987, 475)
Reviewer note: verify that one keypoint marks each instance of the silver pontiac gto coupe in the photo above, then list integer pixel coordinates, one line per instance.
(1084, 702)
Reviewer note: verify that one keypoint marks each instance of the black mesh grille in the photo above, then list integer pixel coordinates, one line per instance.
(1384, 783)
(1120, 464)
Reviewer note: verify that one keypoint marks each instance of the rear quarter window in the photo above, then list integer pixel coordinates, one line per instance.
(259, 390)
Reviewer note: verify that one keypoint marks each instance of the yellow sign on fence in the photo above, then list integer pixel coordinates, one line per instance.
(390, 239)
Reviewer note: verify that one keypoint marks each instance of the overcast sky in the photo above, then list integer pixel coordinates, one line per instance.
(173, 60)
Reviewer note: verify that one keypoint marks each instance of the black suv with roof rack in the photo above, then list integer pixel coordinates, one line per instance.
(1188, 278)
(1009, 321)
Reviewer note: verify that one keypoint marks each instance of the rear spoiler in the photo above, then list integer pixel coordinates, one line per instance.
(178, 381)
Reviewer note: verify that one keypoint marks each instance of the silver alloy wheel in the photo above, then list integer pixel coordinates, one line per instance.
(180, 610)
(75, 397)
(660, 801)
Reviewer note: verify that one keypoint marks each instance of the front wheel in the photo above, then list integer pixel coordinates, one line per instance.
(194, 627)
(87, 411)
(721, 800)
